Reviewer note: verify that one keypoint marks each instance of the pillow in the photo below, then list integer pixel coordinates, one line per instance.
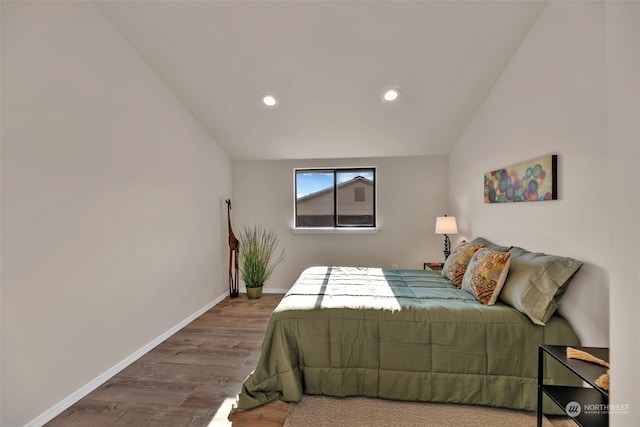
(537, 282)
(459, 262)
(489, 245)
(486, 274)
(447, 262)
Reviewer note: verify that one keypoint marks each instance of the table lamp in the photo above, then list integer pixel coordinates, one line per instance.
(446, 225)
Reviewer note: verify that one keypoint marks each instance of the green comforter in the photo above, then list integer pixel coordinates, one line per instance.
(402, 335)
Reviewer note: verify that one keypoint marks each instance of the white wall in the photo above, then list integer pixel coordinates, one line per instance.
(411, 193)
(579, 59)
(623, 125)
(112, 205)
(549, 100)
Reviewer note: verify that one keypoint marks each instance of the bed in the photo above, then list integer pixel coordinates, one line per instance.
(400, 334)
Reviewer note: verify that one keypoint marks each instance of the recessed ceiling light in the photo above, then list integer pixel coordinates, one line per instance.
(391, 95)
(269, 100)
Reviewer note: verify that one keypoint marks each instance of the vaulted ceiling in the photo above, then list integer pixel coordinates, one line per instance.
(328, 63)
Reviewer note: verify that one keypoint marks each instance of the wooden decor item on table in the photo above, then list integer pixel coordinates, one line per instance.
(573, 353)
(603, 381)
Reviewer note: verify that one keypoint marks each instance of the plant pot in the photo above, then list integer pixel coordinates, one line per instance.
(254, 293)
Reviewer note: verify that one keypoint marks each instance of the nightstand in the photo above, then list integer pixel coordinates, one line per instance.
(588, 406)
(435, 266)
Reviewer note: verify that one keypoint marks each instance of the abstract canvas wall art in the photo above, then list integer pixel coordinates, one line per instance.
(530, 181)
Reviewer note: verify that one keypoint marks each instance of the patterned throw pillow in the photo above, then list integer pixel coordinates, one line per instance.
(447, 262)
(459, 261)
(486, 274)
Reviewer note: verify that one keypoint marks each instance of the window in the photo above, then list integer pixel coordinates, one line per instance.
(335, 197)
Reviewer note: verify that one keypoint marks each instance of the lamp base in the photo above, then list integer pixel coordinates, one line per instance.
(447, 247)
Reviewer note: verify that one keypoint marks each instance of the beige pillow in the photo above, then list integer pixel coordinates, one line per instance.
(486, 274)
(536, 283)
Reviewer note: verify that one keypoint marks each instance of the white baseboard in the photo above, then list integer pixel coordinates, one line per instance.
(61, 406)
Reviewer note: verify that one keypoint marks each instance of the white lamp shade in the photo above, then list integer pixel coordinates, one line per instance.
(446, 225)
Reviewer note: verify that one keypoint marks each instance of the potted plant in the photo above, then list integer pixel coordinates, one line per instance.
(257, 258)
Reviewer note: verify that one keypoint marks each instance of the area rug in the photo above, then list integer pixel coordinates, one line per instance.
(320, 411)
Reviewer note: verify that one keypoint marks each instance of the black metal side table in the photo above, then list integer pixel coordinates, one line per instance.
(588, 406)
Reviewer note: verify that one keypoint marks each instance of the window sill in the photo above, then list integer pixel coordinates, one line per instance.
(335, 230)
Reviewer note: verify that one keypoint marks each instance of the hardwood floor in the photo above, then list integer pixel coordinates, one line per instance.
(191, 379)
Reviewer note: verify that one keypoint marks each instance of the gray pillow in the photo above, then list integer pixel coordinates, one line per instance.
(536, 283)
(489, 245)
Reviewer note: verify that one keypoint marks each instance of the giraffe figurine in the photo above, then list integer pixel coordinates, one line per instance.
(234, 246)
